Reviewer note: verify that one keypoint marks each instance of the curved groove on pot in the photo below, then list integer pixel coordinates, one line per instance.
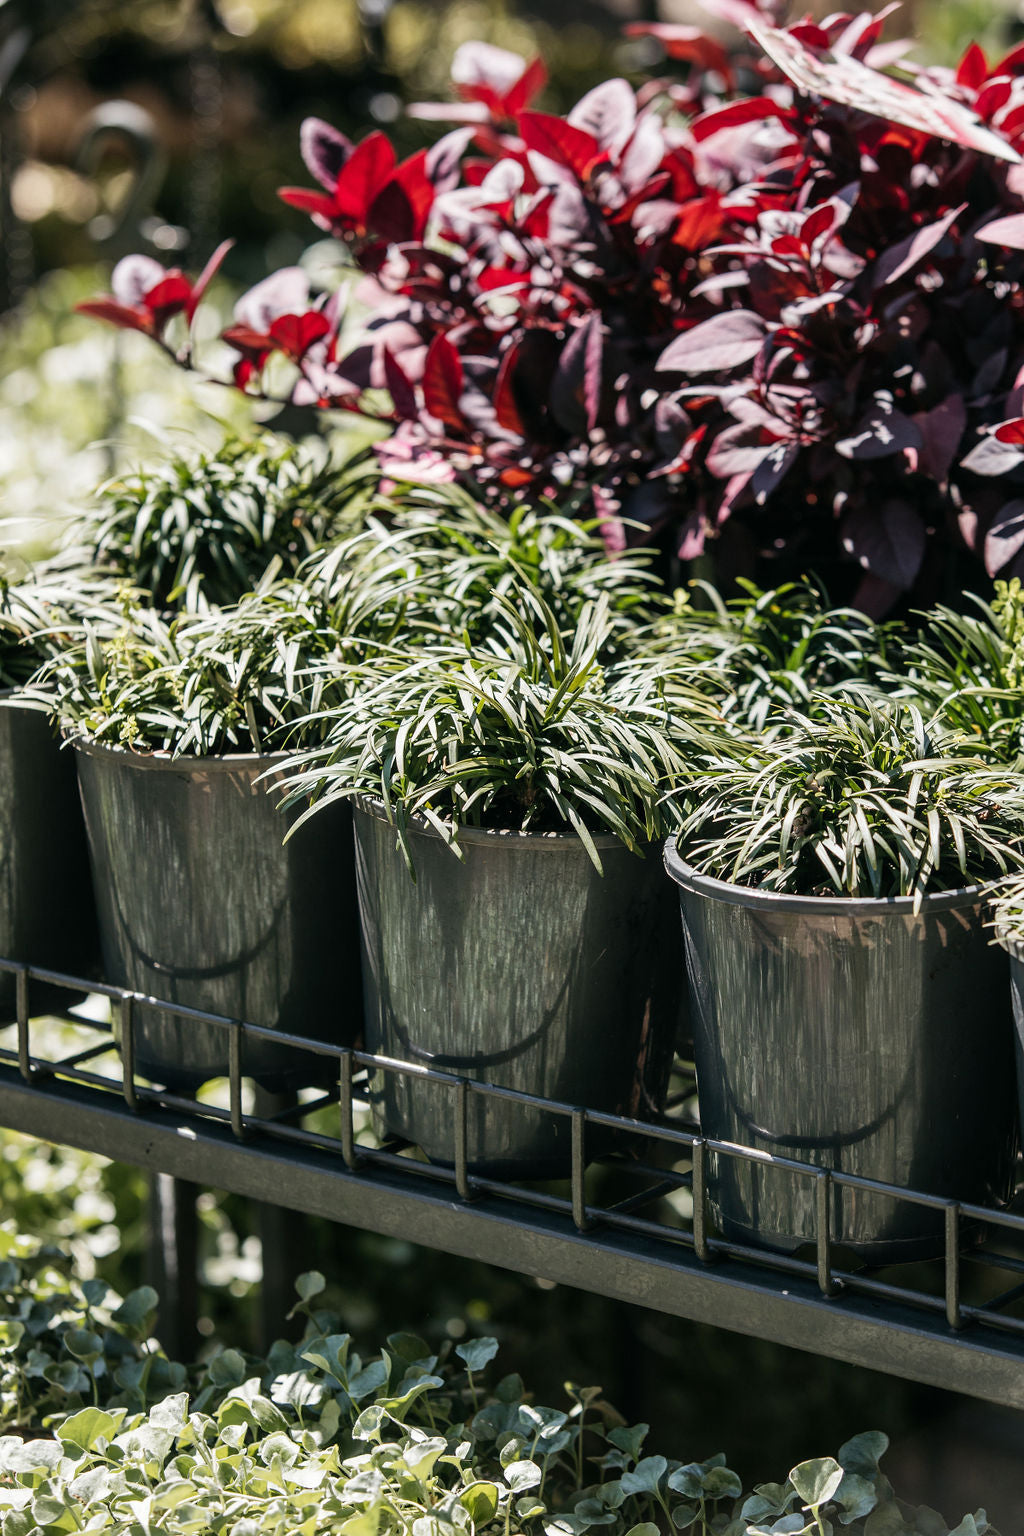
(522, 967)
(201, 903)
(855, 1035)
(47, 914)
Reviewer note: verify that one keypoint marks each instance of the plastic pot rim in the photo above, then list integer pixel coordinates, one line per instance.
(724, 891)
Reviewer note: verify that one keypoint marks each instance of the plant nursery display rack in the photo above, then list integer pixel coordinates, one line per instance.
(634, 1223)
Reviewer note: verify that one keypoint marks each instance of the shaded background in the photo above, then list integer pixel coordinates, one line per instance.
(161, 126)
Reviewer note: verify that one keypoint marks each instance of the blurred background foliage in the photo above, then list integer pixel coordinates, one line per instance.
(211, 96)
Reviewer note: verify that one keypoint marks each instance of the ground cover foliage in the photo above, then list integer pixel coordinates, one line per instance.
(316, 1436)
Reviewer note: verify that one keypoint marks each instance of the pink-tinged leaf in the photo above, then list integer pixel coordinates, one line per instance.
(881, 432)
(754, 110)
(403, 395)
(448, 111)
(972, 71)
(134, 276)
(115, 313)
(443, 383)
(737, 451)
(609, 519)
(739, 12)
(716, 345)
(888, 541)
(484, 72)
(1005, 537)
(295, 334)
(607, 114)
(324, 151)
(285, 292)
(413, 462)
(901, 258)
(1008, 232)
(317, 204)
(530, 84)
(559, 141)
(444, 159)
(593, 364)
(852, 83)
(991, 457)
(363, 176)
(692, 537)
(643, 154)
(205, 278)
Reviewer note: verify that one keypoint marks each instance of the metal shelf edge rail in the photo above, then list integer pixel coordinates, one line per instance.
(934, 1335)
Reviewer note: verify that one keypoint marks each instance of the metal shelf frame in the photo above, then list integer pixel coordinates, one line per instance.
(634, 1226)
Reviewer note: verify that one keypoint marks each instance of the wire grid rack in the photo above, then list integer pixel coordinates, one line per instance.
(636, 1221)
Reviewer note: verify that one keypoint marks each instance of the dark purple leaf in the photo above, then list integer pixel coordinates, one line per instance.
(888, 541)
(716, 345)
(399, 385)
(577, 386)
(772, 468)
(941, 429)
(324, 151)
(881, 432)
(1005, 537)
(899, 259)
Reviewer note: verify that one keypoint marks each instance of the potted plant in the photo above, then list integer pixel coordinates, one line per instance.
(847, 1007)
(516, 926)
(198, 528)
(180, 732)
(46, 910)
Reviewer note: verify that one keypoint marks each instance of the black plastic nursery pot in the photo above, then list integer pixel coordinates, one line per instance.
(522, 967)
(47, 916)
(852, 1034)
(201, 903)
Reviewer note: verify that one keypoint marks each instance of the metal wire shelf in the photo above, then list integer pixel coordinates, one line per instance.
(634, 1223)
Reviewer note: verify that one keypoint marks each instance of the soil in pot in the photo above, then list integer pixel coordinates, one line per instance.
(854, 1035)
(203, 905)
(520, 967)
(47, 914)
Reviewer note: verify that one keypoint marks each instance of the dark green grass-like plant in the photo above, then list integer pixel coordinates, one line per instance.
(201, 527)
(238, 679)
(437, 565)
(854, 799)
(766, 651)
(968, 670)
(524, 734)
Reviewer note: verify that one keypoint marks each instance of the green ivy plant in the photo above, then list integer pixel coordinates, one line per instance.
(524, 733)
(854, 799)
(199, 528)
(410, 1442)
(238, 679)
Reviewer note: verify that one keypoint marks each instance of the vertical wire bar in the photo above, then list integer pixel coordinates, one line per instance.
(823, 1232)
(462, 1185)
(579, 1194)
(21, 1008)
(700, 1201)
(126, 1009)
(348, 1130)
(235, 1079)
(953, 1315)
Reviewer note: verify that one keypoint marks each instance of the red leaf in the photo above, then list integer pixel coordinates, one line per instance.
(716, 345)
(404, 217)
(700, 222)
(530, 83)
(559, 141)
(506, 408)
(1011, 432)
(317, 204)
(295, 334)
(973, 69)
(124, 315)
(363, 176)
(442, 382)
(168, 298)
(403, 396)
(1008, 232)
(689, 43)
(757, 109)
(205, 278)
(246, 338)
